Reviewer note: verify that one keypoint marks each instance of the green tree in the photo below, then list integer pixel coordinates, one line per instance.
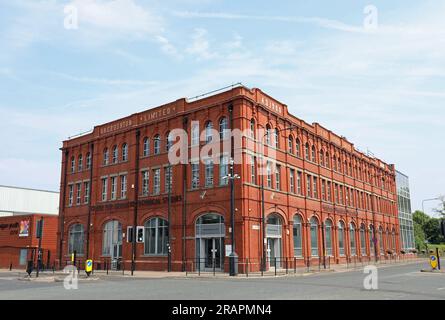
(426, 228)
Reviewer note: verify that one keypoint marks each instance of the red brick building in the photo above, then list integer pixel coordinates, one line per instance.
(315, 196)
(18, 241)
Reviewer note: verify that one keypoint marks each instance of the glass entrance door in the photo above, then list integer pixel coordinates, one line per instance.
(273, 252)
(211, 253)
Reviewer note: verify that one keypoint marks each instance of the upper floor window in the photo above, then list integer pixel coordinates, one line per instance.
(267, 134)
(321, 156)
(73, 164)
(115, 154)
(80, 163)
(169, 142)
(252, 128)
(195, 133)
(195, 175)
(278, 177)
(105, 157)
(146, 148)
(290, 144)
(209, 131)
(157, 144)
(124, 152)
(313, 154)
(334, 163)
(223, 128)
(277, 138)
(223, 170)
(306, 151)
(156, 181)
(297, 148)
(88, 160)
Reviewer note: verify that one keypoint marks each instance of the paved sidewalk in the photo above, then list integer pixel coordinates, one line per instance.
(300, 271)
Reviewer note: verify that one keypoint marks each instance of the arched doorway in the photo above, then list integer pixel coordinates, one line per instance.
(273, 235)
(210, 232)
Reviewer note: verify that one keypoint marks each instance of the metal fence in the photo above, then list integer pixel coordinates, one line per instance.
(289, 265)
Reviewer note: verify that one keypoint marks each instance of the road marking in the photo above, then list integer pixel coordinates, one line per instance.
(441, 288)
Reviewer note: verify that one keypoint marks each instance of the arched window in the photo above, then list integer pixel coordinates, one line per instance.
(223, 128)
(156, 236)
(334, 163)
(268, 135)
(313, 154)
(352, 240)
(157, 144)
(277, 138)
(290, 145)
(195, 133)
(321, 156)
(252, 128)
(297, 148)
(73, 164)
(105, 157)
(80, 163)
(124, 152)
(75, 240)
(112, 239)
(298, 237)
(362, 240)
(306, 151)
(339, 164)
(88, 160)
(115, 154)
(209, 131)
(388, 239)
(381, 249)
(168, 142)
(146, 148)
(341, 237)
(314, 236)
(327, 160)
(371, 240)
(328, 234)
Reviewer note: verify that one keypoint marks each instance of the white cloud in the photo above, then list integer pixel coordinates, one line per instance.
(105, 81)
(200, 46)
(124, 17)
(321, 22)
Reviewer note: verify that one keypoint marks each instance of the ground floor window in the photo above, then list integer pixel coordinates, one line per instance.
(352, 239)
(156, 236)
(314, 236)
(328, 234)
(112, 239)
(298, 237)
(76, 239)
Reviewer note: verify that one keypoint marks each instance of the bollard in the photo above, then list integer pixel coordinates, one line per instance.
(10, 267)
(275, 266)
(214, 266)
(247, 267)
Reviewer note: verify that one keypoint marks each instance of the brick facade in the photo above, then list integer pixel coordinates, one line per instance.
(362, 190)
(12, 242)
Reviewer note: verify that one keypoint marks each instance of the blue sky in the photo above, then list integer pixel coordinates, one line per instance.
(382, 89)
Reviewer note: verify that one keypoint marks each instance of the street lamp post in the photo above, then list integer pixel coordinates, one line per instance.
(423, 201)
(233, 257)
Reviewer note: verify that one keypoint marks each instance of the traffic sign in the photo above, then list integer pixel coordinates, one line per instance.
(433, 261)
(88, 266)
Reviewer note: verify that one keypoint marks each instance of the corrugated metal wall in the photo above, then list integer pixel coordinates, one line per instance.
(18, 200)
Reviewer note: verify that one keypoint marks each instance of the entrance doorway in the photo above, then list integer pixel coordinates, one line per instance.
(273, 235)
(210, 233)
